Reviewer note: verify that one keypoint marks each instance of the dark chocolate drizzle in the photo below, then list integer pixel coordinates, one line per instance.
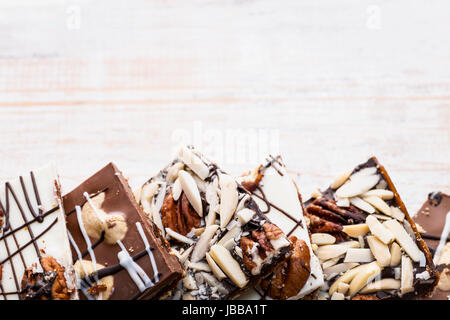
(8, 231)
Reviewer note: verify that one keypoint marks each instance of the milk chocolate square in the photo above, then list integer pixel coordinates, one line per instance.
(117, 255)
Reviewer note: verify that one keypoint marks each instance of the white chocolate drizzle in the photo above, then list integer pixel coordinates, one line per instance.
(136, 273)
(147, 248)
(87, 240)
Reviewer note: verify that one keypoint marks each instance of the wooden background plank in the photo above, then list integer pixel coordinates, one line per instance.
(87, 82)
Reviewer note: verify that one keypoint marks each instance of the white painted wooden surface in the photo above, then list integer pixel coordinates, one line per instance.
(87, 82)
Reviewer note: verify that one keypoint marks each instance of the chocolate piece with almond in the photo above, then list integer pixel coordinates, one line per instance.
(376, 251)
(213, 226)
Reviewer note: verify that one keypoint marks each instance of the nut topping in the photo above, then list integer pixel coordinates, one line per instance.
(179, 216)
(229, 266)
(191, 191)
(292, 276)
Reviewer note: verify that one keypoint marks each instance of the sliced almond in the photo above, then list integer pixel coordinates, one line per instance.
(337, 296)
(343, 288)
(396, 254)
(383, 284)
(330, 262)
(156, 218)
(149, 190)
(176, 190)
(361, 204)
(229, 244)
(322, 238)
(338, 269)
(367, 273)
(379, 230)
(231, 234)
(397, 214)
(185, 255)
(330, 251)
(199, 266)
(280, 243)
(355, 187)
(215, 268)
(379, 204)
(189, 282)
(356, 230)
(179, 237)
(358, 255)
(172, 172)
(407, 276)
(245, 215)
(191, 191)
(379, 250)
(343, 202)
(403, 238)
(346, 277)
(364, 172)
(381, 193)
(350, 244)
(229, 266)
(340, 179)
(228, 199)
(193, 162)
(202, 245)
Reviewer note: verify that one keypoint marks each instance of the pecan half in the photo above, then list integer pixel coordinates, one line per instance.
(246, 245)
(51, 284)
(272, 231)
(292, 276)
(179, 215)
(325, 216)
(59, 288)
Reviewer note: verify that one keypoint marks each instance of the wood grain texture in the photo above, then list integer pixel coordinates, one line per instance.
(332, 82)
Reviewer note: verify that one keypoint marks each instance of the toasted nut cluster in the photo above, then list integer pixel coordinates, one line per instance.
(256, 247)
(59, 288)
(179, 215)
(51, 284)
(288, 280)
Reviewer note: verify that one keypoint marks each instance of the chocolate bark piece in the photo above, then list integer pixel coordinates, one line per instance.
(35, 257)
(277, 195)
(431, 219)
(377, 252)
(117, 253)
(214, 226)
